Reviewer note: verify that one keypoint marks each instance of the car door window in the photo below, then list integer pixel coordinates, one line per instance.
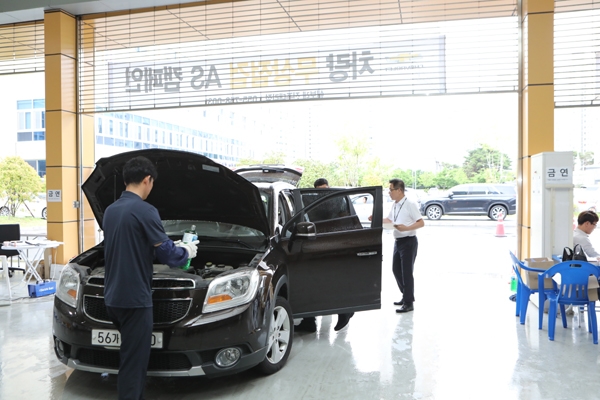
(342, 254)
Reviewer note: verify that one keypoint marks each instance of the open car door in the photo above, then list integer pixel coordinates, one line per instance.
(334, 260)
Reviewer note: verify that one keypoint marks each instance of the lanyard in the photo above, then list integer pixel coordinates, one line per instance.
(398, 212)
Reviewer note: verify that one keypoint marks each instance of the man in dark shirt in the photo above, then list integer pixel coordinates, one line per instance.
(133, 237)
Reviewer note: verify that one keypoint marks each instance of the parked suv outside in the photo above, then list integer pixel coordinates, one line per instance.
(472, 199)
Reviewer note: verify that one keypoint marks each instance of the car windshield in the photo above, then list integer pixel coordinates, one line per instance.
(222, 232)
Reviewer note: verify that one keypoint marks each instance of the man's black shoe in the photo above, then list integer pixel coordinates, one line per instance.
(307, 325)
(399, 303)
(405, 308)
(343, 320)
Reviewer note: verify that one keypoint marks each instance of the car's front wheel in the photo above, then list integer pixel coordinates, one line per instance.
(281, 333)
(4, 211)
(434, 212)
(496, 211)
(45, 213)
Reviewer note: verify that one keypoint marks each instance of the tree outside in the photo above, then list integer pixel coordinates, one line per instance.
(355, 168)
(19, 183)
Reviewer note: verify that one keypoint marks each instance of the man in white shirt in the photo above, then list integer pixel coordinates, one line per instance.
(586, 223)
(407, 219)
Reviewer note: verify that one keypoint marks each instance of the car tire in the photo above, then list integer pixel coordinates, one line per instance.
(434, 212)
(281, 334)
(4, 211)
(45, 213)
(496, 210)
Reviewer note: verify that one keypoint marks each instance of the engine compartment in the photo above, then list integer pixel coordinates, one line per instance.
(208, 263)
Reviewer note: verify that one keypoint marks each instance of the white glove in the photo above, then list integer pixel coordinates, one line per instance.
(191, 247)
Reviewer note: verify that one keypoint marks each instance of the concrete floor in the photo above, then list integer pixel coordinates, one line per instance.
(463, 341)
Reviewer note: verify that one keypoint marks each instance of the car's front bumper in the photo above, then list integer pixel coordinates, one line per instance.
(189, 350)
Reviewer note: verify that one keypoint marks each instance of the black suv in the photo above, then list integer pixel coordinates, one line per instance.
(268, 253)
(472, 199)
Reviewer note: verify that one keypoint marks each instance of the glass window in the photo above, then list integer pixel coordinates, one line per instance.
(109, 141)
(24, 136)
(99, 125)
(43, 119)
(23, 104)
(40, 135)
(121, 129)
(32, 163)
(42, 168)
(27, 120)
(110, 126)
(99, 140)
(139, 133)
(40, 103)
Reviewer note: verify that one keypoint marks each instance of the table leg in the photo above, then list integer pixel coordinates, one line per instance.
(31, 271)
(5, 272)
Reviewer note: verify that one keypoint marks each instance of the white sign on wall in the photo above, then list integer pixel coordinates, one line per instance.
(54, 196)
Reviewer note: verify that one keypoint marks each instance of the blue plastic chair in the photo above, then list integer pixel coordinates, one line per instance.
(524, 291)
(573, 289)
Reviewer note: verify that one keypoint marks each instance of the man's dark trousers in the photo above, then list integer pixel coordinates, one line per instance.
(135, 325)
(403, 261)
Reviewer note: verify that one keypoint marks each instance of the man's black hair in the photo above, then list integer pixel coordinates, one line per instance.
(321, 182)
(397, 184)
(136, 169)
(587, 216)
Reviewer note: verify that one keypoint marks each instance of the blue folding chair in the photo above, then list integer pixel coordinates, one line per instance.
(573, 289)
(524, 291)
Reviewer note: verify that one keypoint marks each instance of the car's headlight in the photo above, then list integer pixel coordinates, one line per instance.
(68, 286)
(231, 289)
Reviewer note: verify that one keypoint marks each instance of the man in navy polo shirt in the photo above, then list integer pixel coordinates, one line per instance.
(133, 237)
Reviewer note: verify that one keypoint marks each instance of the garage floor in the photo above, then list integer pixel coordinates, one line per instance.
(461, 342)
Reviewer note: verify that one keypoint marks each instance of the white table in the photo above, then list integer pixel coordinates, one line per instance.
(32, 260)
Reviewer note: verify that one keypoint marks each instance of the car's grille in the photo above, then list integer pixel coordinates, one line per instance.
(110, 359)
(164, 311)
(157, 283)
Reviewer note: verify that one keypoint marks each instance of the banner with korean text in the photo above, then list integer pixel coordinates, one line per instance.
(283, 68)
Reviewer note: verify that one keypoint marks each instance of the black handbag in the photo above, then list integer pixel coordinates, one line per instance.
(575, 254)
(567, 254)
(578, 253)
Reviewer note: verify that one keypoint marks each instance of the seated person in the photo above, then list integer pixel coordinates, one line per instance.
(586, 223)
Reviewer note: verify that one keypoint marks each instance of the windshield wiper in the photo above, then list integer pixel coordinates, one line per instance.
(236, 241)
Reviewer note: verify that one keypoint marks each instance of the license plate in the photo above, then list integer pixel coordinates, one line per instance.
(112, 338)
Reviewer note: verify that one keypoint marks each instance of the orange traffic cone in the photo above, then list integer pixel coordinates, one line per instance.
(500, 226)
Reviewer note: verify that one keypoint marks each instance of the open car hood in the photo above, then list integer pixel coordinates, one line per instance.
(189, 187)
(271, 173)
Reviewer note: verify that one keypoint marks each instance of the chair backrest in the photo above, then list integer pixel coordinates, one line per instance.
(9, 232)
(516, 264)
(574, 279)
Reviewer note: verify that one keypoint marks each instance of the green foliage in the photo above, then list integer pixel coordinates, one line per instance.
(270, 158)
(486, 158)
(426, 180)
(355, 168)
(450, 177)
(586, 158)
(19, 182)
(314, 170)
(352, 152)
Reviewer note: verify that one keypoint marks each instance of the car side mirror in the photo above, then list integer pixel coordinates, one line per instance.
(302, 231)
(450, 195)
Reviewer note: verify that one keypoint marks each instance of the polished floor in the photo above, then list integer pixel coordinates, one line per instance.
(461, 342)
